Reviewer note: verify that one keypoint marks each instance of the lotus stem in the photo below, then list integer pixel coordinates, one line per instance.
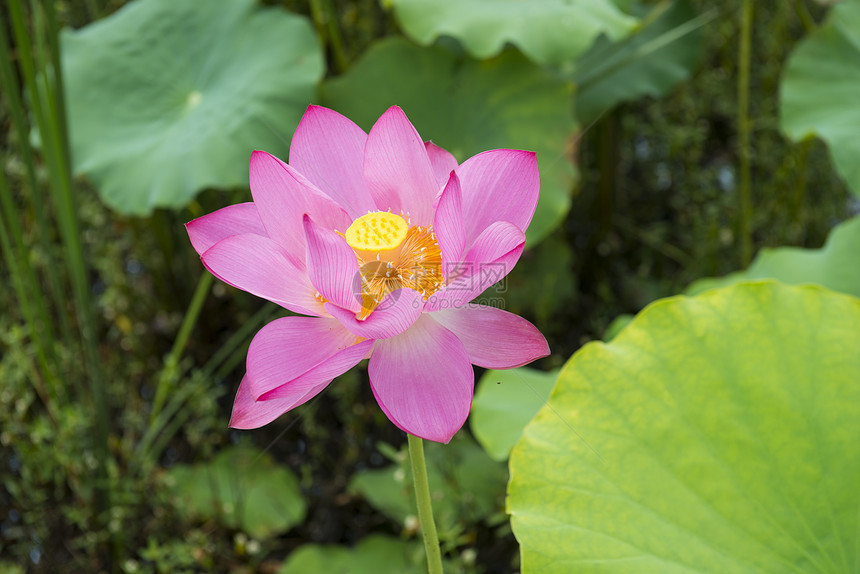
(425, 508)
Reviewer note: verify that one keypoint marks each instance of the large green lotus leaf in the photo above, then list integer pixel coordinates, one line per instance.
(469, 106)
(375, 554)
(465, 484)
(547, 31)
(167, 97)
(820, 89)
(504, 404)
(240, 488)
(835, 266)
(725, 431)
(654, 59)
(616, 326)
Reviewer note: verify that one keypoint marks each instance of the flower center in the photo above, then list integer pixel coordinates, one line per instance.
(378, 231)
(392, 254)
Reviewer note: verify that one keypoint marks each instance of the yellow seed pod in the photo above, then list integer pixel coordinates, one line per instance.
(377, 231)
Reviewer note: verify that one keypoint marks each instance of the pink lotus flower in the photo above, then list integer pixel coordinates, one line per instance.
(383, 241)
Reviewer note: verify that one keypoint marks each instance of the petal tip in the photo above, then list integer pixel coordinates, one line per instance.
(397, 112)
(259, 156)
(240, 419)
(444, 438)
(234, 423)
(315, 110)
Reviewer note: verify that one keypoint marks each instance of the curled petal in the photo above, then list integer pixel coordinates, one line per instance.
(251, 414)
(287, 348)
(322, 374)
(490, 259)
(499, 185)
(423, 381)
(332, 267)
(258, 265)
(448, 223)
(283, 196)
(493, 338)
(394, 314)
(442, 162)
(328, 149)
(206, 231)
(397, 168)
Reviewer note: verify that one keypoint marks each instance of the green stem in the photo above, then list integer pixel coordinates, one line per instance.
(171, 368)
(64, 203)
(11, 90)
(805, 17)
(58, 84)
(425, 508)
(178, 417)
(146, 453)
(45, 105)
(745, 219)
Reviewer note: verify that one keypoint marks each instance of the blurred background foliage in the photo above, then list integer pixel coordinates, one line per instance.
(120, 356)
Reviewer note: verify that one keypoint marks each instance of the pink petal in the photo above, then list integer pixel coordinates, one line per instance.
(398, 170)
(488, 261)
(328, 149)
(333, 267)
(494, 339)
(448, 223)
(287, 348)
(423, 381)
(258, 265)
(251, 414)
(208, 230)
(394, 314)
(283, 196)
(499, 185)
(322, 374)
(442, 162)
